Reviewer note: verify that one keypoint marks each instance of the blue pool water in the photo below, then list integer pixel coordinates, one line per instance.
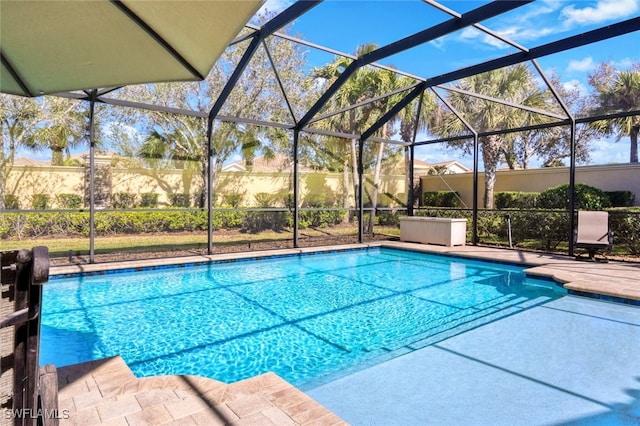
(303, 317)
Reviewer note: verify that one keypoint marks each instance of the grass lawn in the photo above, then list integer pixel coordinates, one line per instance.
(176, 241)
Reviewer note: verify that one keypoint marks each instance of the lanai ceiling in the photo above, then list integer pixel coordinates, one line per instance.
(412, 33)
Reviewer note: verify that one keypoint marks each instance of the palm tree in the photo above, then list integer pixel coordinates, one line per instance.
(406, 121)
(360, 86)
(18, 120)
(514, 84)
(63, 127)
(618, 91)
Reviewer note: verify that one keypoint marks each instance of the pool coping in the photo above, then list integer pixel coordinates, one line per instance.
(612, 281)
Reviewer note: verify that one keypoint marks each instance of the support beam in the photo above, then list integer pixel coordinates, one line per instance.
(92, 175)
(472, 17)
(410, 200)
(572, 155)
(210, 187)
(476, 155)
(572, 187)
(279, 80)
(474, 219)
(279, 21)
(296, 190)
(412, 156)
(477, 26)
(594, 36)
(393, 111)
(360, 191)
(363, 103)
(503, 102)
(158, 38)
(16, 75)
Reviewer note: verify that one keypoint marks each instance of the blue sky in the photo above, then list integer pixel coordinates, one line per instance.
(345, 24)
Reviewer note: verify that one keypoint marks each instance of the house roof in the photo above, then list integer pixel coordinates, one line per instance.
(31, 162)
(451, 165)
(279, 163)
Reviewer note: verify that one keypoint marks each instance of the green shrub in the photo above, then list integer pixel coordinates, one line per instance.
(625, 225)
(387, 218)
(228, 219)
(586, 198)
(441, 199)
(257, 221)
(286, 200)
(318, 200)
(149, 200)
(123, 200)
(69, 201)
(264, 199)
(40, 201)
(179, 200)
(233, 200)
(516, 200)
(621, 198)
(319, 218)
(11, 202)
(548, 227)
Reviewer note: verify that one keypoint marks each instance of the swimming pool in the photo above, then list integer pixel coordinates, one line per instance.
(307, 317)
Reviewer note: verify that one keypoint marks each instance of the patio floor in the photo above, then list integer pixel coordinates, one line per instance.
(569, 361)
(105, 392)
(572, 361)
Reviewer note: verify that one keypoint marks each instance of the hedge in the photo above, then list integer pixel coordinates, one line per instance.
(40, 201)
(11, 202)
(586, 198)
(621, 198)
(516, 200)
(123, 200)
(441, 199)
(149, 200)
(69, 201)
(69, 224)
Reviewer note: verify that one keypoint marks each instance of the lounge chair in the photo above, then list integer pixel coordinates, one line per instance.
(593, 233)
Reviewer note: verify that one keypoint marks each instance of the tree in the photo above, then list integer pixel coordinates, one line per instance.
(18, 118)
(553, 144)
(514, 84)
(360, 86)
(63, 126)
(256, 95)
(365, 83)
(618, 91)
(404, 124)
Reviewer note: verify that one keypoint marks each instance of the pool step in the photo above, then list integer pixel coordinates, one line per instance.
(107, 392)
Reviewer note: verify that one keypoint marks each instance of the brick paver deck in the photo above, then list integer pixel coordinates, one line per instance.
(105, 392)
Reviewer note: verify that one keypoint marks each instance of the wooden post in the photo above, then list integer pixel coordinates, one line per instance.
(29, 270)
(49, 395)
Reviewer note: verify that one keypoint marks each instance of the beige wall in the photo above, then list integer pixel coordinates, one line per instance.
(24, 181)
(616, 177)
(59, 180)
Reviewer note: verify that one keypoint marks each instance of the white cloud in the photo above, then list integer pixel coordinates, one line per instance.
(539, 9)
(438, 43)
(583, 65)
(604, 10)
(609, 151)
(573, 85)
(472, 34)
(625, 63)
(274, 6)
